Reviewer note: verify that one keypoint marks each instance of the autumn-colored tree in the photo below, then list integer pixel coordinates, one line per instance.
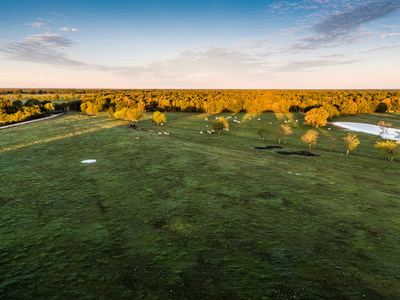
(49, 107)
(351, 141)
(158, 117)
(220, 124)
(316, 117)
(388, 147)
(384, 126)
(348, 108)
(262, 131)
(90, 108)
(129, 114)
(332, 111)
(310, 138)
(283, 131)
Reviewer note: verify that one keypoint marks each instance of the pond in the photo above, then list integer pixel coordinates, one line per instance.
(388, 133)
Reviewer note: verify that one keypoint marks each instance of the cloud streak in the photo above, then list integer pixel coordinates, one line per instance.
(36, 24)
(390, 35)
(308, 65)
(66, 29)
(343, 27)
(41, 48)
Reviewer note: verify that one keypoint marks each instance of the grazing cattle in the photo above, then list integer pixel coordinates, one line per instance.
(132, 126)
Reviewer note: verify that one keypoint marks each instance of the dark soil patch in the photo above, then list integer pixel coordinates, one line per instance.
(101, 206)
(268, 147)
(266, 195)
(159, 222)
(301, 153)
(4, 201)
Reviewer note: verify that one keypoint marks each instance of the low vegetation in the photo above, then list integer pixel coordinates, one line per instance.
(194, 215)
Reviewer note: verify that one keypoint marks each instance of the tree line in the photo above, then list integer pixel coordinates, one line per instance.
(335, 102)
(19, 111)
(127, 103)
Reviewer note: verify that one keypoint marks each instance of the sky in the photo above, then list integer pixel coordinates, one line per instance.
(235, 44)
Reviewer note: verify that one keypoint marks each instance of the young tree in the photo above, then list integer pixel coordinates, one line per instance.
(158, 117)
(316, 117)
(262, 132)
(332, 142)
(220, 124)
(384, 126)
(351, 141)
(310, 138)
(388, 147)
(283, 131)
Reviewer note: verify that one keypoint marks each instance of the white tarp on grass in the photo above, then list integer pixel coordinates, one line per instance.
(389, 133)
(88, 161)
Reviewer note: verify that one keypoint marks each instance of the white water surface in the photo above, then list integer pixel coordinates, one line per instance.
(388, 134)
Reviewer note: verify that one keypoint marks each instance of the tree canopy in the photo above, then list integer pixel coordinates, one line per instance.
(388, 147)
(310, 138)
(158, 117)
(351, 141)
(220, 124)
(317, 117)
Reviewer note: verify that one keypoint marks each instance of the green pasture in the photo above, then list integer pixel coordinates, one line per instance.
(195, 216)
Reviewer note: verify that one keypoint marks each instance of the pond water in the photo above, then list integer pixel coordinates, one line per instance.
(389, 133)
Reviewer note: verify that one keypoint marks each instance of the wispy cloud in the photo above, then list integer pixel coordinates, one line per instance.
(306, 65)
(390, 35)
(344, 26)
(364, 51)
(390, 27)
(66, 29)
(345, 22)
(41, 48)
(197, 62)
(36, 24)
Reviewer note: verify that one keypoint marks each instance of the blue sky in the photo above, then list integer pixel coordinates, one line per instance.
(200, 44)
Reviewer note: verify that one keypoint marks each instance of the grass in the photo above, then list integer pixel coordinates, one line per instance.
(194, 215)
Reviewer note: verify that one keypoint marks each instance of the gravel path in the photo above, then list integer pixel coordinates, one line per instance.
(26, 122)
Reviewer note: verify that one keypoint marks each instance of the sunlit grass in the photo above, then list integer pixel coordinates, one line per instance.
(194, 215)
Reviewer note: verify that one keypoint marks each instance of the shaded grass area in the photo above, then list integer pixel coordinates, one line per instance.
(194, 215)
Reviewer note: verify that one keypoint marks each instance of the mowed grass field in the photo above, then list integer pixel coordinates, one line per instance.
(193, 215)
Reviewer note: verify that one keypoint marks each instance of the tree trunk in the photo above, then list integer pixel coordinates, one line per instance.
(348, 151)
(309, 148)
(391, 158)
(279, 141)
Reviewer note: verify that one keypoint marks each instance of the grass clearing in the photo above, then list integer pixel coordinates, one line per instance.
(195, 215)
